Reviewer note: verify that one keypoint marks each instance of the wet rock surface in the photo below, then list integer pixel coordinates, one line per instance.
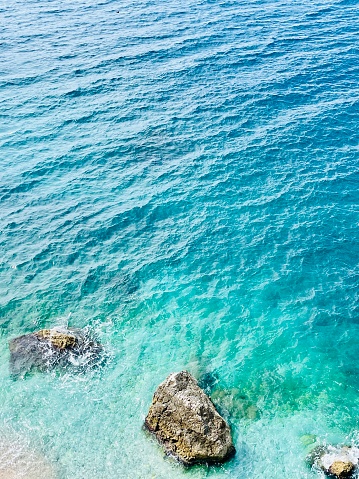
(336, 461)
(341, 469)
(50, 348)
(185, 421)
(58, 339)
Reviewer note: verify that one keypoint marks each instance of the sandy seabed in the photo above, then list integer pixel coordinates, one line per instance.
(18, 460)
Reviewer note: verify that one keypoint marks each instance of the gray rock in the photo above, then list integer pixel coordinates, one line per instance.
(49, 348)
(313, 458)
(185, 421)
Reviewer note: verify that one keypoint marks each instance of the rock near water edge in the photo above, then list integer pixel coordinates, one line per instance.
(185, 421)
(49, 348)
(336, 461)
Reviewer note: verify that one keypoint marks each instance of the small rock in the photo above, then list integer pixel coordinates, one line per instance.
(49, 348)
(341, 469)
(185, 421)
(335, 461)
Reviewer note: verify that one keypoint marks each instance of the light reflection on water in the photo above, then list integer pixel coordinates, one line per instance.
(184, 182)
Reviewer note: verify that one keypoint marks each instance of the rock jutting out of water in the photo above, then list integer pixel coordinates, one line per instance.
(336, 461)
(49, 348)
(185, 421)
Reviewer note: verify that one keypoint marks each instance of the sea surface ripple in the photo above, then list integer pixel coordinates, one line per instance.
(183, 179)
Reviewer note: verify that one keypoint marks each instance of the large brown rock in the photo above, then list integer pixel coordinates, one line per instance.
(185, 421)
(49, 348)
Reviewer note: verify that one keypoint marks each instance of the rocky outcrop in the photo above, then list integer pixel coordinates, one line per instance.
(335, 461)
(49, 348)
(185, 421)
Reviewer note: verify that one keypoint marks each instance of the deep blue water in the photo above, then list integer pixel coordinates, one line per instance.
(183, 179)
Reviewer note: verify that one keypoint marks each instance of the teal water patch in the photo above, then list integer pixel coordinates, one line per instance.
(184, 182)
(91, 424)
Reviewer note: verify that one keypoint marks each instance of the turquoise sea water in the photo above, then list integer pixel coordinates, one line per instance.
(183, 179)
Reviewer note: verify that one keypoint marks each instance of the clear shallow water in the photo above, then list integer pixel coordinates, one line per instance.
(183, 179)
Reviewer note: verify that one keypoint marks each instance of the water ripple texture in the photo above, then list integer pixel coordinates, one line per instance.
(183, 179)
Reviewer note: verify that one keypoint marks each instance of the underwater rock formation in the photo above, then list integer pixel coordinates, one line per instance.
(335, 461)
(185, 421)
(308, 439)
(234, 403)
(49, 348)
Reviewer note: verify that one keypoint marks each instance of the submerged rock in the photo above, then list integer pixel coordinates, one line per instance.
(308, 439)
(335, 461)
(234, 403)
(185, 421)
(49, 348)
